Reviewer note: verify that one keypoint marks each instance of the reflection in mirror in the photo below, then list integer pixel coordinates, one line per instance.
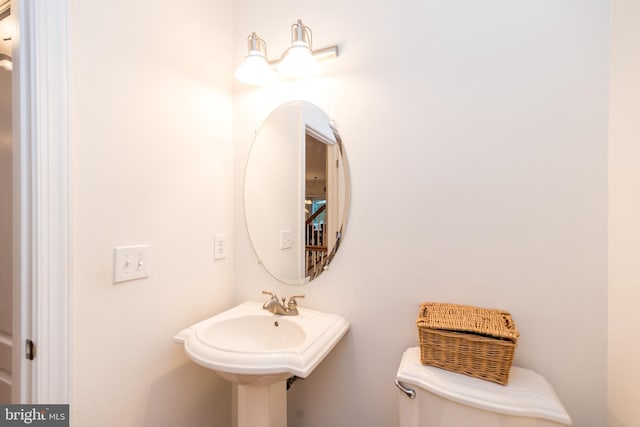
(296, 193)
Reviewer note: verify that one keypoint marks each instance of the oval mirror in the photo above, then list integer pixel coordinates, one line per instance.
(296, 193)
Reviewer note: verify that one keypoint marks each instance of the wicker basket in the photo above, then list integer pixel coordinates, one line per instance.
(478, 342)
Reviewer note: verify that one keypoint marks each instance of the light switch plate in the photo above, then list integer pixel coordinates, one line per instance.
(219, 246)
(131, 262)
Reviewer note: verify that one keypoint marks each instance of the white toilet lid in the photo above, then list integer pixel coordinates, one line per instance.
(528, 394)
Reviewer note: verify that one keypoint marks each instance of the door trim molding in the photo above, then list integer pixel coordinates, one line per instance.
(43, 268)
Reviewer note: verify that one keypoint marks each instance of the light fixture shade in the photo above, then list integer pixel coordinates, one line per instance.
(298, 60)
(255, 70)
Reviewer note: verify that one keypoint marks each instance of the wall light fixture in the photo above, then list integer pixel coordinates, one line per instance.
(298, 61)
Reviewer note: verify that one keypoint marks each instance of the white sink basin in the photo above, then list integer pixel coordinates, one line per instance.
(249, 345)
(253, 333)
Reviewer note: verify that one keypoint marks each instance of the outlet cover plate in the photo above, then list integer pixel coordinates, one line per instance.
(220, 246)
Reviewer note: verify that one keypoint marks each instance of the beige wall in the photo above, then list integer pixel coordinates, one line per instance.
(151, 163)
(624, 214)
(477, 138)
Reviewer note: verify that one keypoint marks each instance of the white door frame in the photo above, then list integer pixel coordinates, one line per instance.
(42, 243)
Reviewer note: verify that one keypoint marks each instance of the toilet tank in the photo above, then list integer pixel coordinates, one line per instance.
(448, 399)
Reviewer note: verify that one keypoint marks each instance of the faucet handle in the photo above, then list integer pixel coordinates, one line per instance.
(272, 294)
(292, 301)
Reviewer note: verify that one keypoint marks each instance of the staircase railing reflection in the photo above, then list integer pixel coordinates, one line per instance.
(315, 244)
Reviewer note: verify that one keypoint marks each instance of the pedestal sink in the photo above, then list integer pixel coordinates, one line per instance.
(259, 351)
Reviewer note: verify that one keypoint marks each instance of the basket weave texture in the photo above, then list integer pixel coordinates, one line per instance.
(478, 342)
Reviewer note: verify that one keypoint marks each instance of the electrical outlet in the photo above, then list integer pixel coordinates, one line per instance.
(131, 262)
(219, 246)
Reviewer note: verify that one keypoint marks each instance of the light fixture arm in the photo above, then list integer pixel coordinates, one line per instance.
(325, 52)
(328, 52)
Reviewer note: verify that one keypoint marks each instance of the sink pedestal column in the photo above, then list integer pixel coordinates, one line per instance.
(262, 405)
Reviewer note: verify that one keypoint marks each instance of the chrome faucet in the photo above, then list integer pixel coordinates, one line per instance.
(274, 306)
